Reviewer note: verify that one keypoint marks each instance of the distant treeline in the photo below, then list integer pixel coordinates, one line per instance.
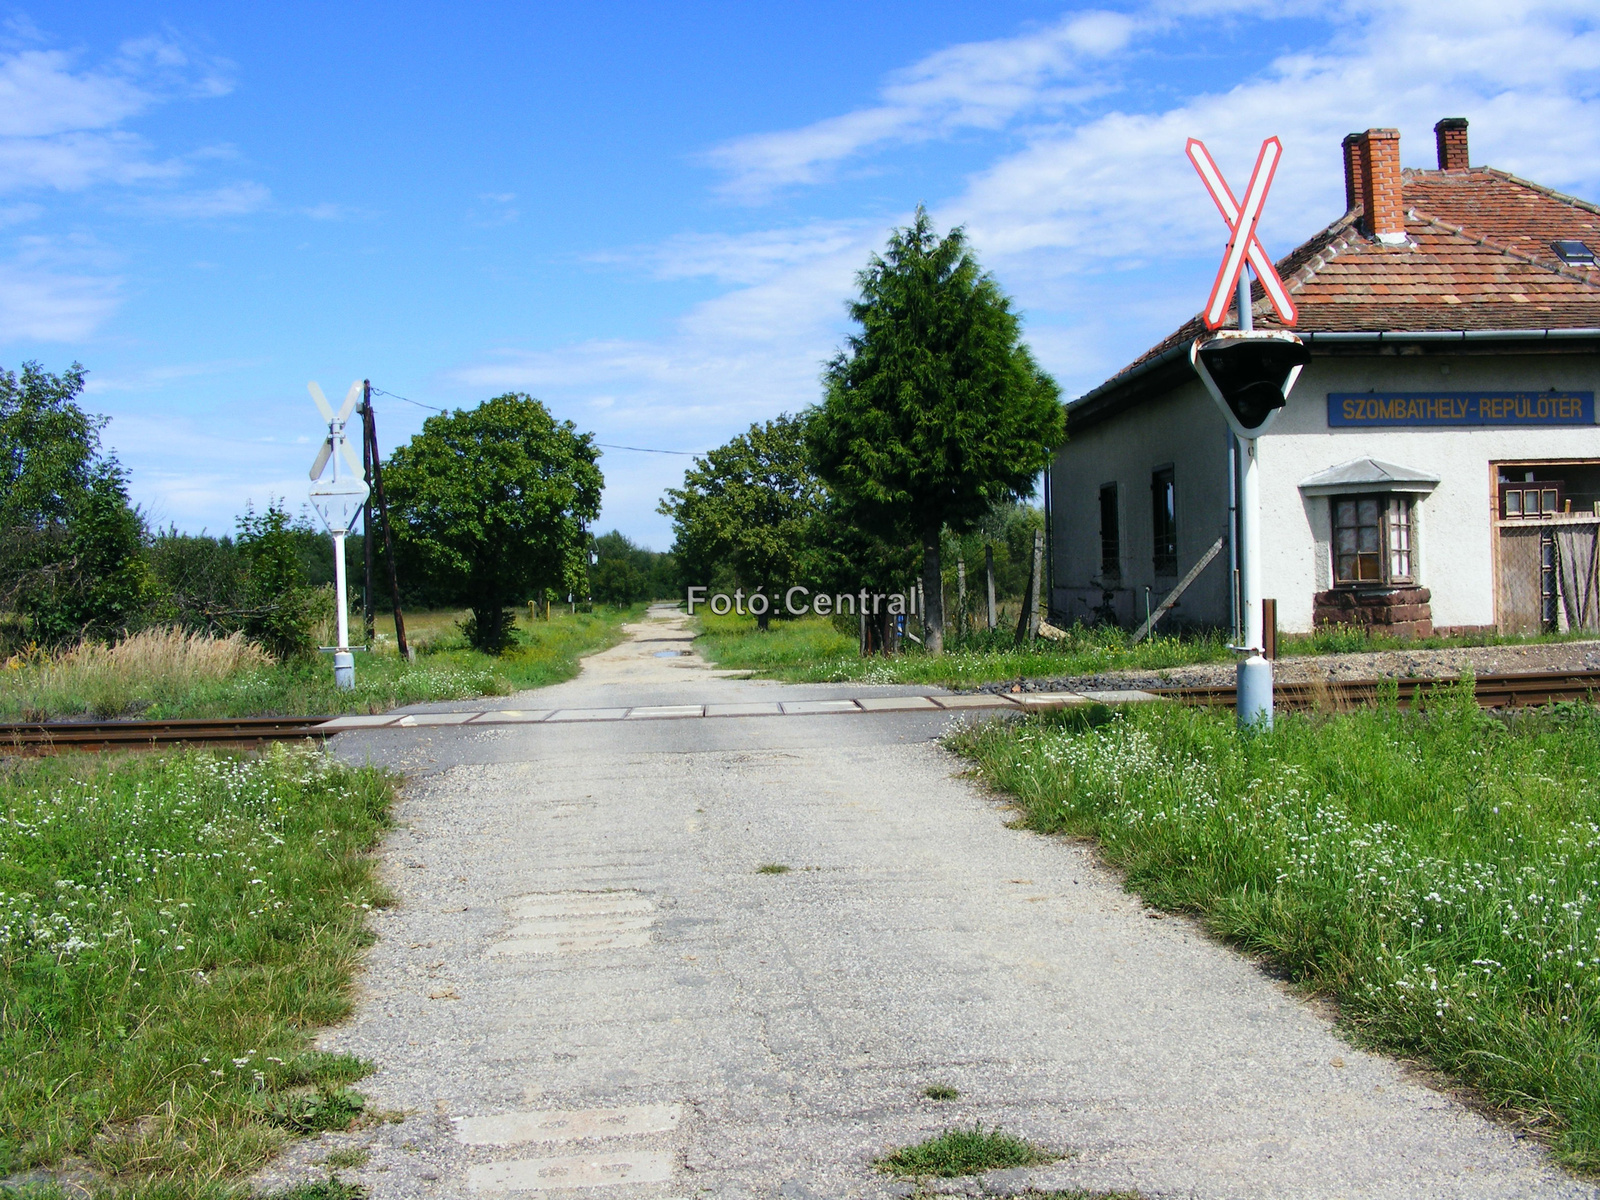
(78, 559)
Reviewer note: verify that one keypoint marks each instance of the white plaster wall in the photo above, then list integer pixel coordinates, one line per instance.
(1183, 429)
(1454, 524)
(1453, 530)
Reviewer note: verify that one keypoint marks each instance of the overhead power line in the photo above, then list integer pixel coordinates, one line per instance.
(377, 391)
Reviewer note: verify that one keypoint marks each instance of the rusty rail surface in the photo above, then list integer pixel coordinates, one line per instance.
(1528, 689)
(50, 737)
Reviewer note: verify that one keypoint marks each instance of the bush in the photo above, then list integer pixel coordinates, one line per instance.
(280, 610)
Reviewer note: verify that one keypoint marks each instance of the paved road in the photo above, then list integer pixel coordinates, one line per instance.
(588, 988)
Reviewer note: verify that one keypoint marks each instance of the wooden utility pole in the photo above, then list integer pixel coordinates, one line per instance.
(370, 437)
(988, 568)
(1028, 618)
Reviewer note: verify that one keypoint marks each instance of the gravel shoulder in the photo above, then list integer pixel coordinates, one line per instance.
(1391, 664)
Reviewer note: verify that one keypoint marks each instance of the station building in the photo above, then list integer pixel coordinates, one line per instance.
(1437, 466)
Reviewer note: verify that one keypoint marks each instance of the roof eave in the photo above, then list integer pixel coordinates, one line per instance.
(1162, 372)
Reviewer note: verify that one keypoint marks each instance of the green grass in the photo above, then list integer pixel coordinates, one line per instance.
(812, 650)
(940, 1091)
(773, 869)
(1437, 872)
(445, 669)
(173, 930)
(963, 1152)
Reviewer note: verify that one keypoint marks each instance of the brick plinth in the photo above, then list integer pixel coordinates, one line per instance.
(1400, 611)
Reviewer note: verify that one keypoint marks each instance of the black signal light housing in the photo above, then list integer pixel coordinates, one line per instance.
(1249, 374)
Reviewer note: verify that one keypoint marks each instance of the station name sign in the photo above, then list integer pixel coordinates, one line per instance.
(1459, 410)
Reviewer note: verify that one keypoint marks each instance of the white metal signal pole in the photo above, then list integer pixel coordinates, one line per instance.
(1253, 681)
(338, 501)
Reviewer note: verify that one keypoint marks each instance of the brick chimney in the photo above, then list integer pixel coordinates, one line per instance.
(1451, 135)
(1354, 187)
(1384, 209)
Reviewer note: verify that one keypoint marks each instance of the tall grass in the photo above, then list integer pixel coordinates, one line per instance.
(164, 674)
(154, 664)
(1438, 871)
(812, 650)
(173, 928)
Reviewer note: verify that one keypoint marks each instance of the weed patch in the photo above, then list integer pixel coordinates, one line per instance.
(940, 1091)
(773, 869)
(350, 1158)
(963, 1152)
(1436, 871)
(325, 1189)
(314, 1112)
(173, 929)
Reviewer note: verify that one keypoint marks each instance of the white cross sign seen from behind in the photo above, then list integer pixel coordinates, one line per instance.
(1243, 244)
(337, 499)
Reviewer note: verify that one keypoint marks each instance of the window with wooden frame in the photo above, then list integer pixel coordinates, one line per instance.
(1110, 533)
(1372, 540)
(1532, 500)
(1164, 521)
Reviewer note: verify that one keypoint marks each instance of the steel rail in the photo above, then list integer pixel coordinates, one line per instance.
(47, 737)
(1527, 689)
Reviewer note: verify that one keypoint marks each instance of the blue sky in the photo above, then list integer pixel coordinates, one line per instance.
(649, 216)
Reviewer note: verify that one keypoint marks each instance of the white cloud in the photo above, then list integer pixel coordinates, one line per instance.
(744, 258)
(59, 121)
(981, 85)
(230, 200)
(61, 130)
(52, 306)
(19, 214)
(151, 378)
(494, 209)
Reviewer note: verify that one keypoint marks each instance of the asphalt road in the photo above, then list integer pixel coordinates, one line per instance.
(589, 988)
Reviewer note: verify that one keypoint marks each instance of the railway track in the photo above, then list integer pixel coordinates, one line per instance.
(50, 737)
(1521, 690)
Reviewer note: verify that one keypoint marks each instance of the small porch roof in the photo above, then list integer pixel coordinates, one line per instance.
(1368, 475)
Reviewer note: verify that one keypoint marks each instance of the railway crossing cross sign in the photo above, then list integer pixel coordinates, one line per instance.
(1243, 244)
(338, 501)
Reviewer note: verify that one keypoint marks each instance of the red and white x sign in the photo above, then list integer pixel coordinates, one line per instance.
(1242, 243)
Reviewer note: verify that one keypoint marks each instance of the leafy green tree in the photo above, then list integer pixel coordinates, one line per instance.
(626, 573)
(92, 579)
(279, 606)
(48, 445)
(491, 505)
(937, 410)
(71, 543)
(751, 508)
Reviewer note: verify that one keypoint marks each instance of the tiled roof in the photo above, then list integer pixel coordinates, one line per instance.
(1477, 256)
